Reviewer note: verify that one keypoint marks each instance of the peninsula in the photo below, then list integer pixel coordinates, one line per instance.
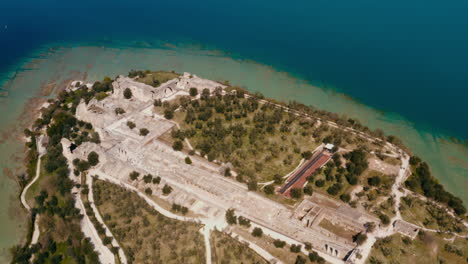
(162, 167)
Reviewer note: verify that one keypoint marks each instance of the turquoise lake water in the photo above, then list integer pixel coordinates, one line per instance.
(405, 64)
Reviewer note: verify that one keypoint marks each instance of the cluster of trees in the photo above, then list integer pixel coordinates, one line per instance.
(179, 208)
(57, 206)
(356, 164)
(231, 128)
(423, 182)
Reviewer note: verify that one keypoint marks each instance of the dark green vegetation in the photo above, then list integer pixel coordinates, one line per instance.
(145, 235)
(421, 181)
(425, 248)
(61, 237)
(227, 250)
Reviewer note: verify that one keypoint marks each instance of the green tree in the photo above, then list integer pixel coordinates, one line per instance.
(127, 93)
(269, 189)
(345, 197)
(148, 191)
(144, 132)
(147, 178)
(360, 238)
(308, 189)
(231, 218)
(156, 180)
(168, 114)
(119, 111)
(295, 248)
(134, 175)
(177, 145)
(279, 243)
(257, 232)
(131, 125)
(296, 193)
(319, 183)
(193, 91)
(167, 189)
(243, 221)
(300, 260)
(93, 158)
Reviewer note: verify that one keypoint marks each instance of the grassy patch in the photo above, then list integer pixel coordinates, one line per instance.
(426, 248)
(157, 78)
(227, 250)
(145, 235)
(266, 242)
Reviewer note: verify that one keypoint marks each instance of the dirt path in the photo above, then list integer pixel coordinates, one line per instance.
(24, 202)
(105, 255)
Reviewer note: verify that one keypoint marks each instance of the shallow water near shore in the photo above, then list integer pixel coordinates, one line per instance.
(61, 62)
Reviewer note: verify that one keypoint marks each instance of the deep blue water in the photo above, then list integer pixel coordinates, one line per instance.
(409, 57)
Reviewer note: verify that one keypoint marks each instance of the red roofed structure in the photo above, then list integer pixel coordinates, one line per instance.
(299, 178)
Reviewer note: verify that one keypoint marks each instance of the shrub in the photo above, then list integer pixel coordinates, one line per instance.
(127, 93)
(269, 189)
(319, 183)
(252, 185)
(134, 175)
(308, 190)
(131, 125)
(360, 238)
(345, 197)
(257, 232)
(300, 260)
(147, 178)
(167, 189)
(168, 114)
(295, 248)
(279, 243)
(144, 132)
(177, 145)
(119, 111)
(243, 221)
(148, 191)
(156, 180)
(188, 160)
